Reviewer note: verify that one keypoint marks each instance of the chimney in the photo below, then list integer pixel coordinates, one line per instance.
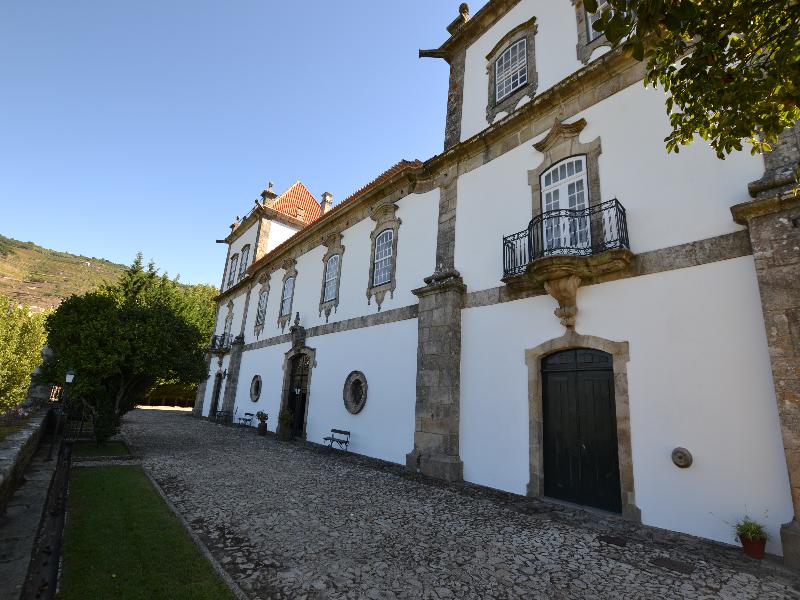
(327, 202)
(268, 196)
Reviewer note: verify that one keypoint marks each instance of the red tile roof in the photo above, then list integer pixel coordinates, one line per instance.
(296, 197)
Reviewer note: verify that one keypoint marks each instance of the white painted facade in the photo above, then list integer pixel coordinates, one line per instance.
(699, 372)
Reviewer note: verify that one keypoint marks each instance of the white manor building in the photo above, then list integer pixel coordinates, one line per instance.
(552, 306)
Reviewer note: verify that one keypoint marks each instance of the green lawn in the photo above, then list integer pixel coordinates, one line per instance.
(105, 449)
(122, 542)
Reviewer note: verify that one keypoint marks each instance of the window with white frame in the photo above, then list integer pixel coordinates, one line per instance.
(591, 18)
(232, 269)
(261, 311)
(565, 189)
(243, 261)
(511, 70)
(331, 278)
(383, 258)
(286, 300)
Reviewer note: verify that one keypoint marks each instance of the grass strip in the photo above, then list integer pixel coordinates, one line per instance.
(121, 541)
(91, 449)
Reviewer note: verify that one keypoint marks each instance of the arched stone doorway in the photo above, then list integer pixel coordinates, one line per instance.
(212, 411)
(297, 369)
(619, 357)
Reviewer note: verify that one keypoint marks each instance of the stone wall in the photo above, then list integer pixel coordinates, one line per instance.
(16, 451)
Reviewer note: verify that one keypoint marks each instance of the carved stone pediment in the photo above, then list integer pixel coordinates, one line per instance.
(559, 133)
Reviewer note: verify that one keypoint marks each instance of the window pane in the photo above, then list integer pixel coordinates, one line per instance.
(511, 70)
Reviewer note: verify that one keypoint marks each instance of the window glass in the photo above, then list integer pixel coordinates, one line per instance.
(592, 17)
(243, 264)
(286, 302)
(383, 258)
(262, 306)
(564, 190)
(232, 269)
(511, 70)
(331, 277)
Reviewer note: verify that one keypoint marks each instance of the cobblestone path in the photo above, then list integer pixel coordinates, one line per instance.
(288, 520)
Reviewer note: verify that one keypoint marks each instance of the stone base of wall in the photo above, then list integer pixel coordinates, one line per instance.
(790, 538)
(16, 452)
(449, 468)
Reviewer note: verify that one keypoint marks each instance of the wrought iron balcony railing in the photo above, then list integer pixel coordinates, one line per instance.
(566, 232)
(221, 342)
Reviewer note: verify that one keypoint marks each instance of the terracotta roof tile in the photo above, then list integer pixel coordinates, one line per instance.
(298, 197)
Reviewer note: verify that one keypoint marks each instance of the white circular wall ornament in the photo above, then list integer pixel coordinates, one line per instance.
(355, 392)
(255, 388)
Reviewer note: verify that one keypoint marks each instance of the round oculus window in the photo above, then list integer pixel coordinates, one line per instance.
(255, 388)
(355, 392)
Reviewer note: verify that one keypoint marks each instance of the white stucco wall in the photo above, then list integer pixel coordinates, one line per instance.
(279, 233)
(699, 377)
(416, 258)
(556, 57)
(385, 427)
(669, 199)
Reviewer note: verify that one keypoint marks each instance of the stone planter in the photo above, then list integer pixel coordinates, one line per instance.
(262, 429)
(753, 548)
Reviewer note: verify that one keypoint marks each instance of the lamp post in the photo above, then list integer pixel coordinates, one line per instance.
(69, 378)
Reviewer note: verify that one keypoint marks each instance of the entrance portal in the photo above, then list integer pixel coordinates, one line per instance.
(298, 393)
(212, 412)
(581, 460)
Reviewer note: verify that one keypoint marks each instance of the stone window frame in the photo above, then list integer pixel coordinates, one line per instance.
(290, 270)
(261, 316)
(621, 357)
(228, 324)
(354, 376)
(585, 46)
(385, 217)
(561, 143)
(333, 243)
(233, 262)
(255, 394)
(526, 31)
(244, 256)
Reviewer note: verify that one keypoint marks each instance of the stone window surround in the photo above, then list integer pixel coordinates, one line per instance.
(290, 270)
(621, 356)
(287, 378)
(244, 256)
(333, 243)
(258, 328)
(560, 143)
(233, 263)
(585, 46)
(527, 31)
(348, 383)
(385, 216)
(228, 319)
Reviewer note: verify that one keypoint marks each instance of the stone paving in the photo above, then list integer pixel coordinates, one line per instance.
(291, 520)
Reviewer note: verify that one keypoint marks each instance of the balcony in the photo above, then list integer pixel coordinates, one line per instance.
(566, 233)
(220, 344)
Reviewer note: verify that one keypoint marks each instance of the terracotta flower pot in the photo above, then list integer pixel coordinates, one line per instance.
(754, 548)
(262, 429)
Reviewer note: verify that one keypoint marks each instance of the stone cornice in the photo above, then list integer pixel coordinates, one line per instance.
(747, 211)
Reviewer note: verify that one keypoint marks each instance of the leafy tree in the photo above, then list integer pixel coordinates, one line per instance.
(22, 337)
(123, 339)
(731, 67)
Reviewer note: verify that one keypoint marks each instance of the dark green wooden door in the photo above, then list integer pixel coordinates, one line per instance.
(581, 463)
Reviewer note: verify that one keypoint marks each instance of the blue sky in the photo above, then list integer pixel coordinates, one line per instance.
(150, 124)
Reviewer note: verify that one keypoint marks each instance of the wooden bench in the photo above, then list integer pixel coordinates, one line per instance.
(343, 441)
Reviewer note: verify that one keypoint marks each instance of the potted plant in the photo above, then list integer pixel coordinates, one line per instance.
(285, 421)
(262, 422)
(752, 536)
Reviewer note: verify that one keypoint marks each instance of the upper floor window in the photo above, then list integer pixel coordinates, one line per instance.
(261, 311)
(232, 269)
(243, 264)
(383, 258)
(564, 189)
(288, 293)
(228, 319)
(511, 70)
(331, 277)
(591, 18)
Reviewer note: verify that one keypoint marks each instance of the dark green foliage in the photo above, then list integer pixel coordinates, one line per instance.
(124, 339)
(731, 67)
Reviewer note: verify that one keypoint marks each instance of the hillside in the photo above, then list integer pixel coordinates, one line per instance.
(41, 278)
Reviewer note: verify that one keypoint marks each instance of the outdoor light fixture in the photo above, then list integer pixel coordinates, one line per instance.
(70, 376)
(297, 391)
